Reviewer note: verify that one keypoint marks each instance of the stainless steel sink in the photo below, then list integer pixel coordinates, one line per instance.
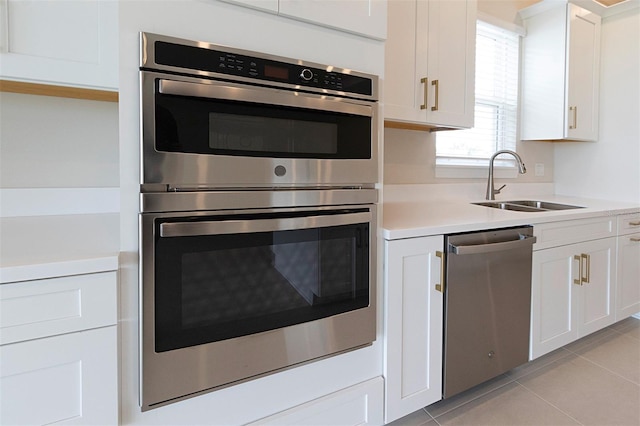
(527, 205)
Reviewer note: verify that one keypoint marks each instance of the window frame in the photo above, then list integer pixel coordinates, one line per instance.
(460, 167)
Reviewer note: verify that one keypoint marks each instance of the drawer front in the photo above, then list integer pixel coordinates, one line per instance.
(360, 404)
(41, 308)
(573, 231)
(628, 223)
(68, 379)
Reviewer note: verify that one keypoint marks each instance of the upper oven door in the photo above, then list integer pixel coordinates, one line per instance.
(200, 133)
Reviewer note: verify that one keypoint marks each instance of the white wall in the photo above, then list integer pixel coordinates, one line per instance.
(50, 142)
(222, 23)
(610, 167)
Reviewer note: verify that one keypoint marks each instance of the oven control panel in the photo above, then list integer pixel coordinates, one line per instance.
(197, 59)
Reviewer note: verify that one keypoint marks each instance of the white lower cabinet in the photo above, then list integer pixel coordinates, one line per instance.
(628, 282)
(360, 404)
(70, 379)
(573, 290)
(59, 351)
(413, 324)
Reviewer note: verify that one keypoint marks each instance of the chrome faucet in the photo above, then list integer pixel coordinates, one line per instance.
(491, 192)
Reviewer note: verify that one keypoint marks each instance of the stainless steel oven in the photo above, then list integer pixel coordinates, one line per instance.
(258, 215)
(214, 116)
(228, 295)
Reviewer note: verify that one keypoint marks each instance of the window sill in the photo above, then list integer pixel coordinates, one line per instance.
(450, 171)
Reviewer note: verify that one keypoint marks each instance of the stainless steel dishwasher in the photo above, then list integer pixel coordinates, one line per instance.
(487, 305)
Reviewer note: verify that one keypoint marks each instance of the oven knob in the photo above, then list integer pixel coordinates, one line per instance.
(280, 171)
(306, 74)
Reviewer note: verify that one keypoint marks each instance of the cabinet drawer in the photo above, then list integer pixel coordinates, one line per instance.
(360, 404)
(628, 223)
(71, 379)
(573, 231)
(41, 308)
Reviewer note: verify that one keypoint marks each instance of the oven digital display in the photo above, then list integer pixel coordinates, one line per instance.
(280, 73)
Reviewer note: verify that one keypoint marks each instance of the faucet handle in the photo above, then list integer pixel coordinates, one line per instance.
(497, 191)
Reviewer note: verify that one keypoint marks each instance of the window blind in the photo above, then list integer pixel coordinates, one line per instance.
(496, 104)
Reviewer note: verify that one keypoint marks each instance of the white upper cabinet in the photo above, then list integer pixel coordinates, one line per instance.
(430, 63)
(363, 17)
(71, 43)
(560, 73)
(267, 5)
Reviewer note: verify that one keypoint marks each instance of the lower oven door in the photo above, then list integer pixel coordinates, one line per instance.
(226, 297)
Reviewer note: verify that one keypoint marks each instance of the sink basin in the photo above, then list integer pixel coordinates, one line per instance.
(545, 205)
(527, 205)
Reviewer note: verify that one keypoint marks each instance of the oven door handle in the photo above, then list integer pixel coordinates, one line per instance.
(261, 96)
(191, 229)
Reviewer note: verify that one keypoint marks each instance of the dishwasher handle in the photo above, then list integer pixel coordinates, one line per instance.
(492, 247)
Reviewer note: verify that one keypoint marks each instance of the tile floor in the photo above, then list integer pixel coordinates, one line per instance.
(593, 381)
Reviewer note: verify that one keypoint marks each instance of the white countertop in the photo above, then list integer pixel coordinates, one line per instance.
(408, 219)
(38, 247)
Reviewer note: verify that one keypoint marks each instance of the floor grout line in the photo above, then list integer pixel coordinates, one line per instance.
(550, 403)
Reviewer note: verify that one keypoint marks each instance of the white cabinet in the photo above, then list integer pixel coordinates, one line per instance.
(70, 43)
(266, 5)
(413, 324)
(573, 285)
(59, 350)
(430, 63)
(360, 404)
(363, 17)
(560, 72)
(628, 280)
(366, 17)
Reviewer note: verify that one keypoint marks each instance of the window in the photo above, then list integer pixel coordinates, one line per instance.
(496, 107)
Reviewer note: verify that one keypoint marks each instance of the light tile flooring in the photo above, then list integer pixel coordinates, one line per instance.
(593, 381)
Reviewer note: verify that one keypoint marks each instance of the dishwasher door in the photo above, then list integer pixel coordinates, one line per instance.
(487, 305)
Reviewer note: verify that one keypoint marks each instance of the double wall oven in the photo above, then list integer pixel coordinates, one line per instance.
(258, 215)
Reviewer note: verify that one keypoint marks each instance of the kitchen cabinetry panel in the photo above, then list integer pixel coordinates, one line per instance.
(266, 5)
(366, 17)
(34, 309)
(628, 278)
(67, 379)
(363, 17)
(413, 325)
(560, 72)
(76, 43)
(573, 231)
(430, 63)
(572, 293)
(357, 405)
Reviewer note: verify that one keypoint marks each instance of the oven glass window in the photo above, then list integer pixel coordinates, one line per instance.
(217, 287)
(220, 127)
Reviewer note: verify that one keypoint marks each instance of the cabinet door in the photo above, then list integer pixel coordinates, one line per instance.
(598, 269)
(430, 62)
(628, 283)
(560, 72)
(365, 17)
(413, 325)
(553, 307)
(451, 63)
(67, 379)
(71, 42)
(406, 61)
(583, 74)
